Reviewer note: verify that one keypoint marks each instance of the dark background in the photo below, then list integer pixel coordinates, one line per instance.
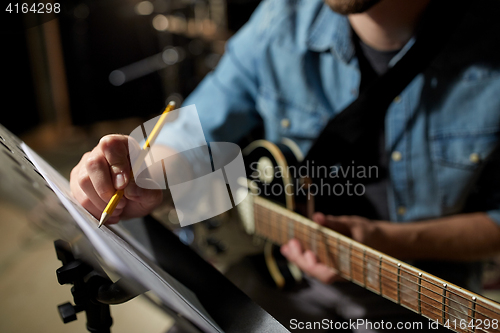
(96, 38)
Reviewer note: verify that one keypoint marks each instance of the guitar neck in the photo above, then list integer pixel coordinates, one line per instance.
(397, 281)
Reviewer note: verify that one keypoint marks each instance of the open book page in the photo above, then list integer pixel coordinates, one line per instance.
(122, 257)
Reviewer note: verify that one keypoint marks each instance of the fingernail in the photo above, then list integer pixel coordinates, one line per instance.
(119, 181)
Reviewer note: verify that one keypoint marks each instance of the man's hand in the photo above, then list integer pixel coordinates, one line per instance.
(308, 262)
(356, 227)
(103, 171)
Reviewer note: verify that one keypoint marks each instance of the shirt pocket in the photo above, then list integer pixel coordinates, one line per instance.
(457, 157)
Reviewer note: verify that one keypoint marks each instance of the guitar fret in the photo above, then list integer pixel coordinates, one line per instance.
(357, 265)
(398, 284)
(291, 229)
(321, 248)
(350, 260)
(314, 246)
(344, 260)
(401, 283)
(330, 252)
(431, 298)
(283, 225)
(444, 302)
(271, 225)
(484, 311)
(380, 275)
(474, 310)
(364, 268)
(408, 288)
(390, 280)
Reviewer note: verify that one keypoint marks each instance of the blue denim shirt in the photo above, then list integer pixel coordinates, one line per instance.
(293, 66)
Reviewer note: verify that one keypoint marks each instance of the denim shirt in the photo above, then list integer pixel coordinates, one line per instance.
(292, 67)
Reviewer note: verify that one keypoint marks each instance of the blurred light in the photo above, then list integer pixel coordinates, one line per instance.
(170, 56)
(160, 22)
(144, 8)
(117, 78)
(81, 11)
(137, 70)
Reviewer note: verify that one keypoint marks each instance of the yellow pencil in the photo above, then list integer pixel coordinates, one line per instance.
(115, 199)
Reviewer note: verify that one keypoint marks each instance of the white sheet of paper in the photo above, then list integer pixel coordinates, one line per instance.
(122, 257)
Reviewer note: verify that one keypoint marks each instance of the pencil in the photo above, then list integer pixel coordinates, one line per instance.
(115, 199)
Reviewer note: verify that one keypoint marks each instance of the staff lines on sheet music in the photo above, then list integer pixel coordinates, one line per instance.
(269, 223)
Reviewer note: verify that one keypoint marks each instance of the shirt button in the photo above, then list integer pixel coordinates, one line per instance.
(397, 99)
(474, 158)
(396, 156)
(401, 210)
(285, 123)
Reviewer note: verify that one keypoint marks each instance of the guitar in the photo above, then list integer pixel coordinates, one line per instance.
(423, 293)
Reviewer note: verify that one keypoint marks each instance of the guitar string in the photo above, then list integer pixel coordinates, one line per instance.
(401, 284)
(337, 240)
(401, 276)
(410, 290)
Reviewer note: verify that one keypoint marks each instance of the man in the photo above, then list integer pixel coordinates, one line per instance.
(297, 64)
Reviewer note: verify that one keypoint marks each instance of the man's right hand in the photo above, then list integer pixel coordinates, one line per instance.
(103, 171)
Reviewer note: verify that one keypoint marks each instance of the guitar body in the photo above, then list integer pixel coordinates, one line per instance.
(266, 164)
(272, 215)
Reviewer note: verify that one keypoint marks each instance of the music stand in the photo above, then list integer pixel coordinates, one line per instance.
(207, 304)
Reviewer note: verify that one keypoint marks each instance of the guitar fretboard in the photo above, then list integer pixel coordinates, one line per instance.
(397, 281)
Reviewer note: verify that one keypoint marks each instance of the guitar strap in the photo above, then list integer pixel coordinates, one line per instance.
(345, 134)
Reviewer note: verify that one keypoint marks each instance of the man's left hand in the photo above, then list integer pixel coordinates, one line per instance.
(358, 228)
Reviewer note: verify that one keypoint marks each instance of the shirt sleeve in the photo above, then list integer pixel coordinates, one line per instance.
(225, 99)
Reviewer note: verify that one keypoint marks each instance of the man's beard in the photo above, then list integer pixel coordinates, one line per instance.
(346, 7)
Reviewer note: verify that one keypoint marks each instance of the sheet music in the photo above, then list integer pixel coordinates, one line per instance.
(122, 257)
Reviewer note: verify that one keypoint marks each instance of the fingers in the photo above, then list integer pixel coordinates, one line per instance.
(114, 149)
(341, 224)
(106, 169)
(100, 173)
(97, 171)
(319, 218)
(308, 262)
(143, 199)
(84, 200)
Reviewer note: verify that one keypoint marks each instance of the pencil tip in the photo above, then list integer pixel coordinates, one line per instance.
(104, 217)
(171, 103)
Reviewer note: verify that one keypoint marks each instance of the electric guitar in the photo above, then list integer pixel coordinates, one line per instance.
(274, 218)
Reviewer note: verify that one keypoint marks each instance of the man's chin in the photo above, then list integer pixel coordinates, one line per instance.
(346, 7)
